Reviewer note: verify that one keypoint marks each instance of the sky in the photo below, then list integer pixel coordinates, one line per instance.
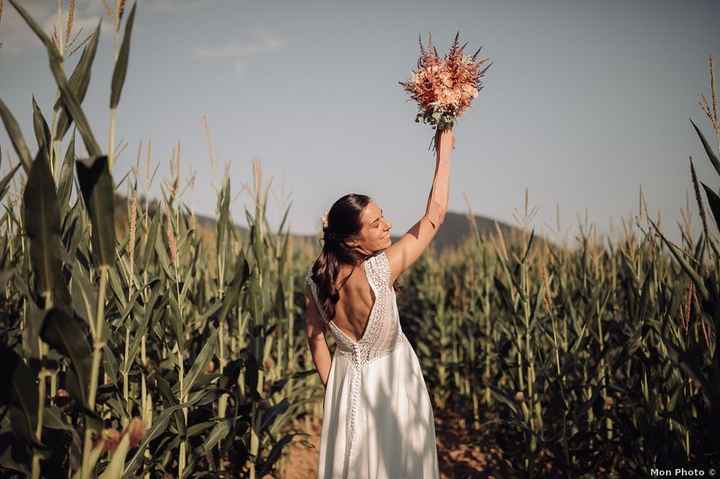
(586, 102)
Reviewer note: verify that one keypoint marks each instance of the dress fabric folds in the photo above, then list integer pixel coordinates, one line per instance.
(377, 415)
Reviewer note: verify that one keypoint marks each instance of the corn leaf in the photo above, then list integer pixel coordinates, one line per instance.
(201, 362)
(120, 70)
(97, 191)
(42, 132)
(16, 137)
(708, 149)
(42, 222)
(79, 82)
(66, 335)
(714, 201)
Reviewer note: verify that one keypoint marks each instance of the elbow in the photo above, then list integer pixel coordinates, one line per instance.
(442, 216)
(436, 214)
(315, 341)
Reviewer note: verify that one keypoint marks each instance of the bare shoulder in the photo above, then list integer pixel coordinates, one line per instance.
(402, 254)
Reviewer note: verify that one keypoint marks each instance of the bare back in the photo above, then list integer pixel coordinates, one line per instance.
(352, 311)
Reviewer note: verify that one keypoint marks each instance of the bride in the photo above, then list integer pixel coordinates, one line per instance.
(377, 416)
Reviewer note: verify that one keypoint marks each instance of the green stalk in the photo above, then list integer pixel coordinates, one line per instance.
(53, 384)
(222, 401)
(54, 144)
(42, 375)
(242, 337)
(97, 354)
(183, 445)
(182, 455)
(603, 371)
(255, 416)
(143, 351)
(220, 256)
(126, 367)
(38, 430)
(486, 317)
(256, 412)
(291, 360)
(143, 384)
(111, 138)
(524, 284)
(113, 111)
(455, 351)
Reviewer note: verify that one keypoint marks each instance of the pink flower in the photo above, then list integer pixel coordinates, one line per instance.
(444, 85)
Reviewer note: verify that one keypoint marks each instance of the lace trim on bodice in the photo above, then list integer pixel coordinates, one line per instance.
(382, 332)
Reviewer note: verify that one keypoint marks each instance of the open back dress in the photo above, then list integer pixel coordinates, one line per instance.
(377, 415)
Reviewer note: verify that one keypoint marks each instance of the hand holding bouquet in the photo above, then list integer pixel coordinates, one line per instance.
(444, 87)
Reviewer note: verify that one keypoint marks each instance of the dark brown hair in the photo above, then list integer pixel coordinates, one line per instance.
(343, 223)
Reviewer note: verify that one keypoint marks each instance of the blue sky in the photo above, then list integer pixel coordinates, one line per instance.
(585, 102)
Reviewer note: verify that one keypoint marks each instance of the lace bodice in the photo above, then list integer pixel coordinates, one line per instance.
(383, 329)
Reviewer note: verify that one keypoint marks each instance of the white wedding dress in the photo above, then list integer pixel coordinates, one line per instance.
(377, 415)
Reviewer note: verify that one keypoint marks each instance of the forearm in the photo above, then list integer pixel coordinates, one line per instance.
(321, 358)
(438, 198)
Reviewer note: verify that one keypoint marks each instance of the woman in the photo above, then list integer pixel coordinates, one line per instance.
(377, 416)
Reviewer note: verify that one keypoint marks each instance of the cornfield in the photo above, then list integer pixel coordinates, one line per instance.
(155, 348)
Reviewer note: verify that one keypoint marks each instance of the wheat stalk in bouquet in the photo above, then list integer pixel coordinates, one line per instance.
(444, 87)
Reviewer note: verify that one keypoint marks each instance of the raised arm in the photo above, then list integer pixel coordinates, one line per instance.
(411, 245)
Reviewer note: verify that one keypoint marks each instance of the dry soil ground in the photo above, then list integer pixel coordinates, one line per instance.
(459, 455)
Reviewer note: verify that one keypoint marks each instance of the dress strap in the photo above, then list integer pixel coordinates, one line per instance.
(378, 270)
(313, 287)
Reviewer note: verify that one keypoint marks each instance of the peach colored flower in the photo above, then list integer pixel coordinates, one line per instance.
(444, 87)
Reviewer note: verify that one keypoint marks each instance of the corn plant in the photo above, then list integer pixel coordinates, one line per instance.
(134, 355)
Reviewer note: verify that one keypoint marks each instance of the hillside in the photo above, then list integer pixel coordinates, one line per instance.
(456, 229)
(452, 233)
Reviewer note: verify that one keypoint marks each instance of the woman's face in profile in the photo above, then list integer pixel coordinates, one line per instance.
(375, 233)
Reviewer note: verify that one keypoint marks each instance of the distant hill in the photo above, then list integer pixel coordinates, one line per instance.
(454, 231)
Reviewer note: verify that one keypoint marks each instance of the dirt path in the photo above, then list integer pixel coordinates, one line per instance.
(458, 453)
